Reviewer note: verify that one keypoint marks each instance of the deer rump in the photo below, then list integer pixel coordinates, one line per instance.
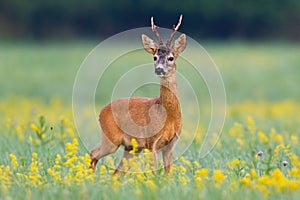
(144, 119)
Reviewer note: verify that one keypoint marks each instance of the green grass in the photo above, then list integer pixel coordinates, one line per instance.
(261, 82)
(250, 71)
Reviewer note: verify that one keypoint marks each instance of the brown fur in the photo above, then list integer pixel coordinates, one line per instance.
(155, 123)
(139, 112)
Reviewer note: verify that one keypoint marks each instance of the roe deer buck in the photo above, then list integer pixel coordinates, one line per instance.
(157, 121)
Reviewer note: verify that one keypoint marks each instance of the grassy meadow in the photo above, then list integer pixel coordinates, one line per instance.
(257, 155)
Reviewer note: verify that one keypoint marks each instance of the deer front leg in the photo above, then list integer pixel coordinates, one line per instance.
(126, 156)
(167, 153)
(154, 153)
(167, 158)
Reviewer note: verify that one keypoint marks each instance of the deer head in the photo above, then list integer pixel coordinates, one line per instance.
(164, 55)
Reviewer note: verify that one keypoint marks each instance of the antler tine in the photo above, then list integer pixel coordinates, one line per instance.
(175, 28)
(155, 32)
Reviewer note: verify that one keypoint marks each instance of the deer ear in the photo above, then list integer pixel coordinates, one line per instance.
(149, 45)
(179, 44)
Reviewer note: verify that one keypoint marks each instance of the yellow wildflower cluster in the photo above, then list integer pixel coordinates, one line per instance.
(14, 162)
(31, 176)
(5, 178)
(72, 170)
(78, 166)
(252, 157)
(218, 177)
(134, 146)
(275, 182)
(55, 171)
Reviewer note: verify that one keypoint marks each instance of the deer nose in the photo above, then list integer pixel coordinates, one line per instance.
(159, 71)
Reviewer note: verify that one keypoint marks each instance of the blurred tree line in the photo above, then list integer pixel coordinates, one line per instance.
(250, 19)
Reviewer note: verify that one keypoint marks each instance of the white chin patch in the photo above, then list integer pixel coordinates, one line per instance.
(159, 66)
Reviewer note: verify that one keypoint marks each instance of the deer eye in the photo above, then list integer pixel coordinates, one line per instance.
(170, 59)
(155, 58)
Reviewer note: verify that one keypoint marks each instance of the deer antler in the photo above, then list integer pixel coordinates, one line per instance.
(175, 28)
(155, 32)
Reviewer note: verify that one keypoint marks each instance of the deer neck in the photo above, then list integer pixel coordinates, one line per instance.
(169, 98)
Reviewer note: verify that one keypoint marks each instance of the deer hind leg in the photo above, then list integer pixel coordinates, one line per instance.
(103, 149)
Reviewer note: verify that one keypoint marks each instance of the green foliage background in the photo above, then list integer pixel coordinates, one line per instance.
(205, 18)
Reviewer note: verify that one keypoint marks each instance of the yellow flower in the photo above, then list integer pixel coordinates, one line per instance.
(134, 146)
(5, 178)
(277, 149)
(199, 182)
(125, 165)
(234, 163)
(265, 180)
(30, 139)
(279, 180)
(187, 162)
(57, 159)
(295, 160)
(34, 168)
(294, 139)
(149, 160)
(245, 181)
(240, 141)
(184, 181)
(75, 142)
(110, 162)
(293, 185)
(147, 151)
(236, 130)
(69, 146)
(262, 137)
(34, 156)
(62, 118)
(202, 172)
(198, 138)
(35, 178)
(140, 177)
(272, 133)
(102, 169)
(182, 169)
(253, 174)
(70, 162)
(71, 132)
(34, 127)
(196, 164)
(115, 183)
(55, 175)
(218, 177)
(135, 164)
(20, 133)
(14, 161)
(87, 159)
(150, 184)
(263, 189)
(279, 139)
(251, 125)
